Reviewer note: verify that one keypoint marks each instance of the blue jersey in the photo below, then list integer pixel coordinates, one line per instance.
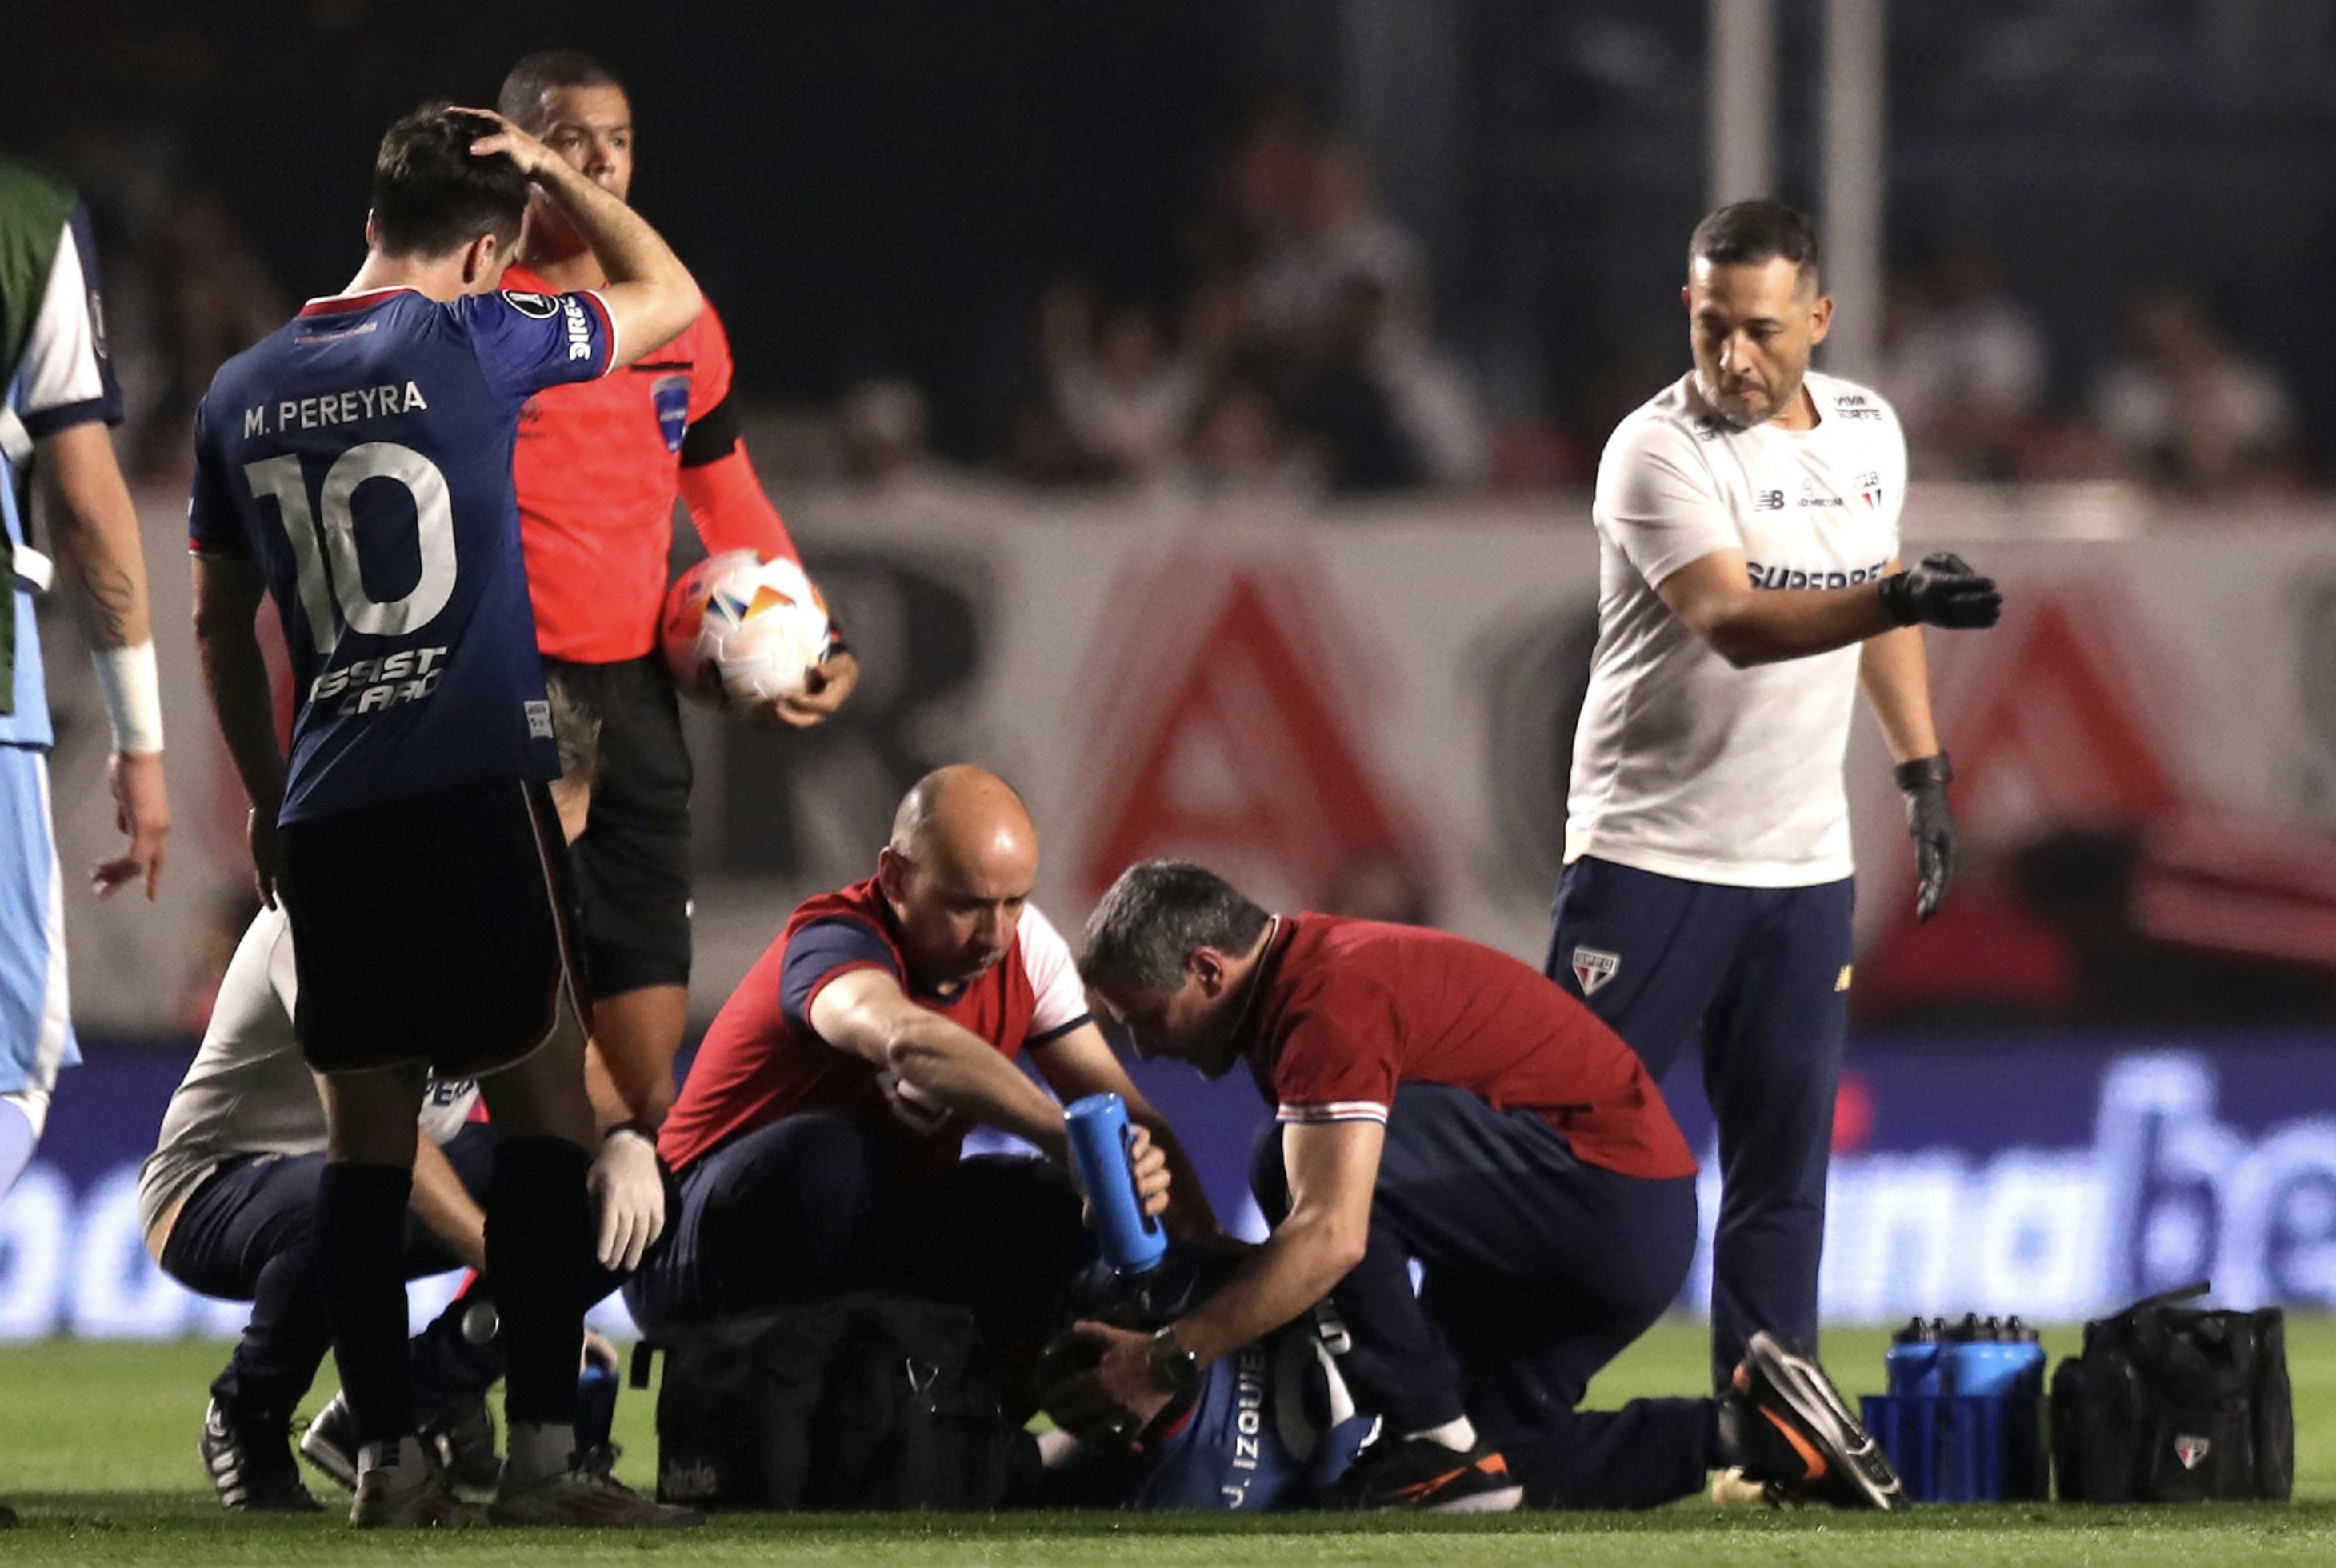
(1271, 1427)
(360, 457)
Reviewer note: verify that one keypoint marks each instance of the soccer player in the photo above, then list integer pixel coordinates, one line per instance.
(817, 1139)
(226, 1203)
(1269, 1427)
(600, 467)
(1748, 587)
(355, 468)
(57, 396)
(1440, 1102)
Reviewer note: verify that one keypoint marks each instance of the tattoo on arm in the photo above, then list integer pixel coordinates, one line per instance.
(111, 597)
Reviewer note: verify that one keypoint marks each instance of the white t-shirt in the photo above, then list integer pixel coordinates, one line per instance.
(1058, 996)
(1683, 765)
(249, 1092)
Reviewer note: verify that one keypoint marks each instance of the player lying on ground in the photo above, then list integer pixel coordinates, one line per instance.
(1441, 1102)
(1271, 1427)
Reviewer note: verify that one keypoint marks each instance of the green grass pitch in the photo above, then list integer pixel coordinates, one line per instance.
(97, 1454)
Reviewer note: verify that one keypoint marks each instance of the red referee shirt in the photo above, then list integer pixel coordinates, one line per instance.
(597, 467)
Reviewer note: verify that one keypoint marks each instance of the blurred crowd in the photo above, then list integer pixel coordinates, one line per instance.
(1296, 357)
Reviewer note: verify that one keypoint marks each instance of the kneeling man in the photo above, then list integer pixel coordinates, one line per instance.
(1441, 1102)
(818, 1135)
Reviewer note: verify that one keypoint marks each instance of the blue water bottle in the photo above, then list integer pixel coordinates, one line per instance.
(596, 1405)
(1911, 1365)
(1999, 1359)
(1101, 1142)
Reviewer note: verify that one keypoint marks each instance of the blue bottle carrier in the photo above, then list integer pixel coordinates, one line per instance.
(1963, 1420)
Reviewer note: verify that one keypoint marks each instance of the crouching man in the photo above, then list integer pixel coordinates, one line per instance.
(1438, 1101)
(817, 1138)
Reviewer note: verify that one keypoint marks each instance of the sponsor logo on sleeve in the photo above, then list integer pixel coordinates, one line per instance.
(534, 307)
(670, 396)
(579, 327)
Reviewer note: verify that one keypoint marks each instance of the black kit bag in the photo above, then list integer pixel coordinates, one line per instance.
(2172, 1404)
(863, 1402)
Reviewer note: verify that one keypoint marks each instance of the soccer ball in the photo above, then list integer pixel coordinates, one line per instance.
(739, 629)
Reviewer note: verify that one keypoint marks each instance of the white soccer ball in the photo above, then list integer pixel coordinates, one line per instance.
(739, 629)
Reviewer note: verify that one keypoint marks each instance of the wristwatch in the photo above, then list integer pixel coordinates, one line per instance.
(1174, 1369)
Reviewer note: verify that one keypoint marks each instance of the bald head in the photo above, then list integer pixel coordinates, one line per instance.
(960, 804)
(958, 872)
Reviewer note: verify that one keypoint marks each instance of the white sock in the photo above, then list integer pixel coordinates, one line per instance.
(1458, 1434)
(534, 1450)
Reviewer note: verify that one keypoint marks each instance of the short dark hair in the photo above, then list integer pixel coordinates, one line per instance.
(1751, 233)
(1155, 917)
(520, 101)
(431, 196)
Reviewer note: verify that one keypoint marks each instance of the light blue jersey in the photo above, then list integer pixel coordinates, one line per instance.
(56, 377)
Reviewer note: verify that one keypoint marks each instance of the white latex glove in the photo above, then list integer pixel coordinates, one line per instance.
(630, 1190)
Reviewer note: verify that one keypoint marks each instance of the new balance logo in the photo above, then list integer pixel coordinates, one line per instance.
(1593, 967)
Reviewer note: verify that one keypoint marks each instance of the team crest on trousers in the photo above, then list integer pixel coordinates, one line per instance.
(1593, 968)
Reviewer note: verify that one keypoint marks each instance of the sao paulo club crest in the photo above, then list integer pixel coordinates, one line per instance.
(2191, 1451)
(1594, 966)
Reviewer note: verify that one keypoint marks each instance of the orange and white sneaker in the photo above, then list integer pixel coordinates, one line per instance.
(1799, 1436)
(1421, 1474)
(585, 1499)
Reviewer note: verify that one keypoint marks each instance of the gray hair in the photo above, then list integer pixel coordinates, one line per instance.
(1155, 917)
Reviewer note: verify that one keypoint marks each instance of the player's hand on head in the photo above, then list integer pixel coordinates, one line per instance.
(522, 148)
(141, 809)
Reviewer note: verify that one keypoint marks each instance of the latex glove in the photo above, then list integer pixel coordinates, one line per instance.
(629, 1187)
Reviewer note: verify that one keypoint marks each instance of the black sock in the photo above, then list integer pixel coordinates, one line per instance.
(1724, 1437)
(360, 1230)
(540, 1243)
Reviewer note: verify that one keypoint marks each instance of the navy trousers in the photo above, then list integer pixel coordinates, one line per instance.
(247, 1234)
(1759, 978)
(807, 1208)
(1536, 1271)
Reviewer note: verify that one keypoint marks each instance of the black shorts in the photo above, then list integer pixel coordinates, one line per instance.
(435, 929)
(632, 864)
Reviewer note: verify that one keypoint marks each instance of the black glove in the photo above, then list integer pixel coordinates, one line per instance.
(1943, 590)
(1931, 822)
